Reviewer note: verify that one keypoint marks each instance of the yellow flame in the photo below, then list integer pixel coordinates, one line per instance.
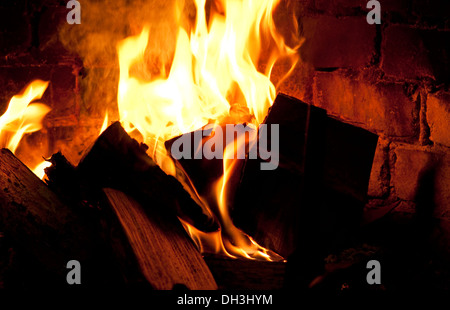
(229, 240)
(21, 117)
(214, 71)
(105, 123)
(39, 169)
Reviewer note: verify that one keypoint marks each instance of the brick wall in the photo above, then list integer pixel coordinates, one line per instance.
(391, 79)
(30, 48)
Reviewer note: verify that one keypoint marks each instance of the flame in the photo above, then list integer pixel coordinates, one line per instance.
(214, 77)
(22, 117)
(105, 124)
(39, 169)
(237, 242)
(229, 240)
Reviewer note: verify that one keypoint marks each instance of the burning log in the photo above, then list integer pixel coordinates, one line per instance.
(165, 254)
(39, 223)
(117, 161)
(203, 174)
(317, 193)
(54, 234)
(269, 203)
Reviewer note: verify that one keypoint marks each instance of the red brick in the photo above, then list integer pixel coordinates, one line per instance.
(332, 42)
(408, 165)
(431, 12)
(438, 117)
(340, 7)
(379, 176)
(442, 188)
(304, 7)
(64, 90)
(422, 176)
(15, 30)
(397, 11)
(51, 50)
(412, 53)
(298, 84)
(416, 12)
(378, 106)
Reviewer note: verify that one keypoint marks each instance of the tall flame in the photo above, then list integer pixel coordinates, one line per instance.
(214, 73)
(23, 116)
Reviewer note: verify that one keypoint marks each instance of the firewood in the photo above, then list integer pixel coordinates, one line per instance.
(244, 274)
(116, 160)
(38, 222)
(316, 193)
(203, 174)
(61, 177)
(165, 254)
(267, 202)
(272, 205)
(314, 199)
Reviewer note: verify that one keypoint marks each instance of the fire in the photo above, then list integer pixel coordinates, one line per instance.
(105, 123)
(39, 169)
(23, 116)
(214, 77)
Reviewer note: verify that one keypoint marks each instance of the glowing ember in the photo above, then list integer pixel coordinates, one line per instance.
(213, 78)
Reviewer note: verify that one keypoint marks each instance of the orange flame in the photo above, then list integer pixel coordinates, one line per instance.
(22, 117)
(214, 73)
(105, 124)
(229, 240)
(39, 169)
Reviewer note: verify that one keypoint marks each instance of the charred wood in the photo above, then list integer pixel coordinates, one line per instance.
(315, 198)
(47, 231)
(117, 161)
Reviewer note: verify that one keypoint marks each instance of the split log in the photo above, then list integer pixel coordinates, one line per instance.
(43, 227)
(203, 174)
(316, 196)
(117, 161)
(165, 254)
(270, 204)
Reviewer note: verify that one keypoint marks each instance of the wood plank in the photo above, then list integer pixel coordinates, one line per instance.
(38, 222)
(166, 255)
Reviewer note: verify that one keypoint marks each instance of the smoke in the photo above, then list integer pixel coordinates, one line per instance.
(105, 23)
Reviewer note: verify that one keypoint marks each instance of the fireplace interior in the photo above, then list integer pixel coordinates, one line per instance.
(364, 150)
